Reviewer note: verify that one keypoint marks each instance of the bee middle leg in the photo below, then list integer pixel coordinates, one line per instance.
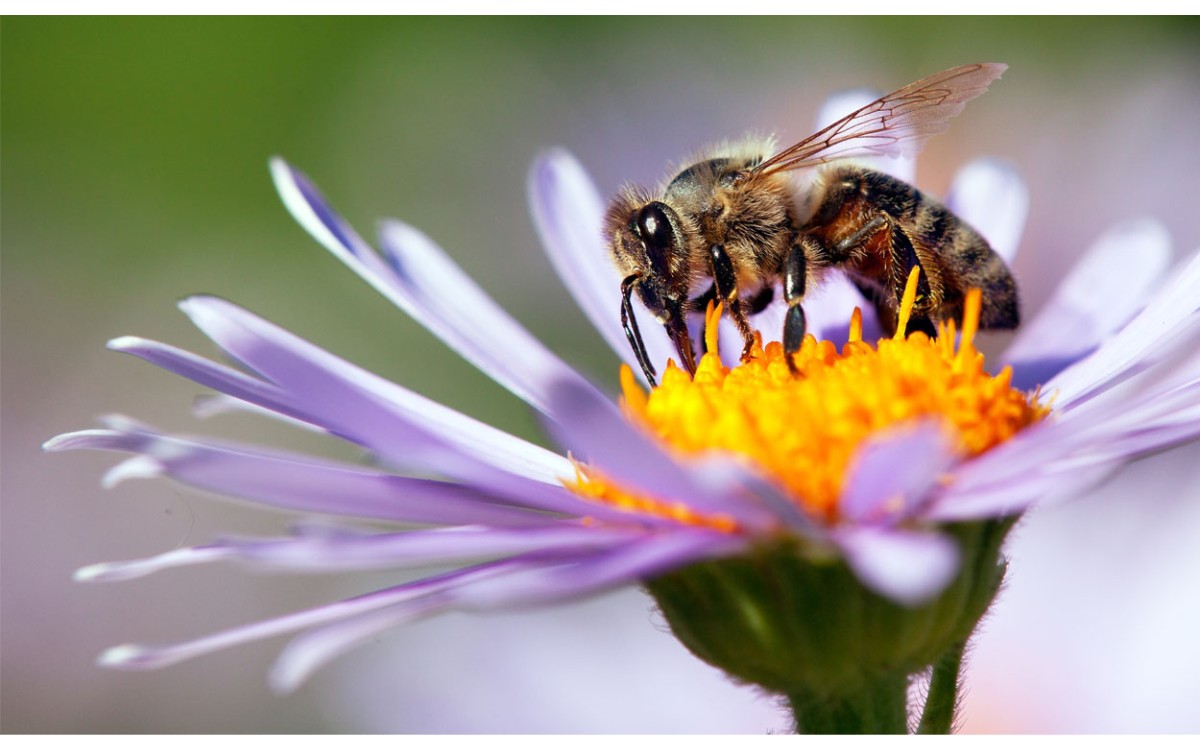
(700, 305)
(725, 285)
(752, 305)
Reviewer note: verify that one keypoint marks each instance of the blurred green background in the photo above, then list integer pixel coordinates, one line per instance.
(134, 173)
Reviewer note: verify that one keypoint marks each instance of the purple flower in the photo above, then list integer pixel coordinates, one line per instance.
(1115, 349)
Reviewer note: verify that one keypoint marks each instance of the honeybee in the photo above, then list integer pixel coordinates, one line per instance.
(733, 226)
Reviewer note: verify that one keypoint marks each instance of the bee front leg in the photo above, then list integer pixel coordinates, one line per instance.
(725, 283)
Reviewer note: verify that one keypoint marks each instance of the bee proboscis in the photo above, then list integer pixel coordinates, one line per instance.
(732, 226)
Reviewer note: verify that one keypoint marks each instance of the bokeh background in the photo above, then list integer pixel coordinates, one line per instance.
(134, 173)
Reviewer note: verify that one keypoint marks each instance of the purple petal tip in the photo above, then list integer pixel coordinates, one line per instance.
(128, 656)
(905, 566)
(138, 467)
(125, 343)
(70, 441)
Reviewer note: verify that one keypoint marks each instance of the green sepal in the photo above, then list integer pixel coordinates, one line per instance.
(793, 619)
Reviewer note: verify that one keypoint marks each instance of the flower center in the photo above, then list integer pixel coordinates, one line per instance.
(804, 430)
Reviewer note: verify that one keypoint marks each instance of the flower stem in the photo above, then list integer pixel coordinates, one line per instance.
(942, 701)
(879, 707)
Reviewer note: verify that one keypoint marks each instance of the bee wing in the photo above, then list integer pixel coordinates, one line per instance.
(892, 125)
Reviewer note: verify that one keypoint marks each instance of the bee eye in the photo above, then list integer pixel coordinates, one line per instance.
(656, 232)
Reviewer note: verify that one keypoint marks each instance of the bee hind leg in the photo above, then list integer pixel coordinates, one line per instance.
(885, 312)
(753, 304)
(904, 260)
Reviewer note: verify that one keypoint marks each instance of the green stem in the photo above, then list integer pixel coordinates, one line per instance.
(942, 701)
(878, 708)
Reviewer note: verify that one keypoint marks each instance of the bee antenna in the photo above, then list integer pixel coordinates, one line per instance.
(629, 323)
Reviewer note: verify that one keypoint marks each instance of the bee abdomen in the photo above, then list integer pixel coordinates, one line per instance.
(968, 262)
(952, 255)
(895, 197)
(1001, 308)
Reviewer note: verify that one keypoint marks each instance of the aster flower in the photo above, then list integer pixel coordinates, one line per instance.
(885, 479)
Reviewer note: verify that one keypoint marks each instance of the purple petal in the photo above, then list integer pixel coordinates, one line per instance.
(132, 656)
(215, 404)
(1174, 368)
(307, 653)
(127, 570)
(1172, 311)
(521, 585)
(359, 551)
(451, 305)
(1159, 437)
(827, 310)
(892, 473)
(729, 341)
(1099, 295)
(830, 308)
(420, 280)
(639, 560)
(294, 482)
(1037, 485)
(596, 433)
(405, 428)
(568, 212)
(1136, 409)
(1057, 459)
(1050, 459)
(991, 196)
(1165, 423)
(769, 322)
(910, 567)
(396, 423)
(328, 552)
(1043, 460)
(745, 480)
(381, 433)
(312, 212)
(426, 436)
(1155, 390)
(207, 373)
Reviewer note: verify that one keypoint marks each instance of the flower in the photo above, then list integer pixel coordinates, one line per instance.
(1117, 358)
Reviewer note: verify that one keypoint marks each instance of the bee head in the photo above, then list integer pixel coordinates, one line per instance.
(647, 242)
(661, 246)
(648, 247)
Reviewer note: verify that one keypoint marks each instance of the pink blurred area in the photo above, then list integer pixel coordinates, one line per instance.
(1094, 632)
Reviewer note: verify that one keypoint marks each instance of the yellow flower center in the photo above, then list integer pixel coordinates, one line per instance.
(804, 429)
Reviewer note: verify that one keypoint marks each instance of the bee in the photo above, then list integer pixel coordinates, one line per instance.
(733, 226)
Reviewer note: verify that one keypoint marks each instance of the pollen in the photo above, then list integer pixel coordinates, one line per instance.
(803, 429)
